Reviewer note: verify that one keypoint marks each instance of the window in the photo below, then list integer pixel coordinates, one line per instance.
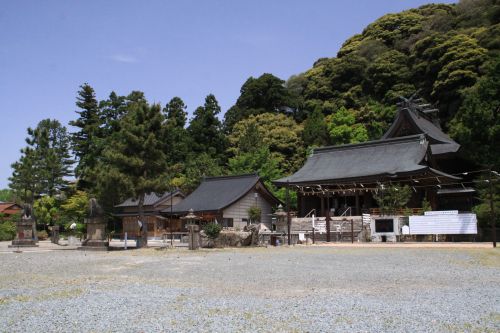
(227, 222)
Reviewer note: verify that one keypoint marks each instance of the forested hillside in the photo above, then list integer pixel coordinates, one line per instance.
(449, 54)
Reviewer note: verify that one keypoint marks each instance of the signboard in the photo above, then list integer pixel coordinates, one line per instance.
(443, 224)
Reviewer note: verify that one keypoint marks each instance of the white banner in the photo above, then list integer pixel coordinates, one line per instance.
(444, 224)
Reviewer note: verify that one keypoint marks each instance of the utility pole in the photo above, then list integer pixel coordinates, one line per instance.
(492, 210)
(288, 220)
(170, 218)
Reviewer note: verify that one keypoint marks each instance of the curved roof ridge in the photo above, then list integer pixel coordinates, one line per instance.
(372, 143)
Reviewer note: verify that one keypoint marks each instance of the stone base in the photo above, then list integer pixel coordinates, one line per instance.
(23, 243)
(94, 245)
(93, 248)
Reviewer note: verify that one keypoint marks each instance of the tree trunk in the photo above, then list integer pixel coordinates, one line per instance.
(33, 226)
(143, 238)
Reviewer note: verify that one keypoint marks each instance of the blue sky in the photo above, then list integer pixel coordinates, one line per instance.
(164, 48)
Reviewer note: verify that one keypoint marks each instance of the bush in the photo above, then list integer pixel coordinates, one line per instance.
(7, 231)
(212, 230)
(254, 214)
(42, 235)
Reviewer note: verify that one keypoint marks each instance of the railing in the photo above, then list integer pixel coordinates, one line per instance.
(312, 211)
(401, 211)
(347, 210)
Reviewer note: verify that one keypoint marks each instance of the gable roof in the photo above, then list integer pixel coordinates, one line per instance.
(151, 199)
(5, 207)
(368, 160)
(439, 141)
(217, 193)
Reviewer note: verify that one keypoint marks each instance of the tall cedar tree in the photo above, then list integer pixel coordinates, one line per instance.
(86, 140)
(135, 155)
(205, 129)
(315, 129)
(176, 139)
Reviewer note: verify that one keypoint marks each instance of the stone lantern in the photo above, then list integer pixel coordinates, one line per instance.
(281, 222)
(96, 229)
(194, 230)
(24, 229)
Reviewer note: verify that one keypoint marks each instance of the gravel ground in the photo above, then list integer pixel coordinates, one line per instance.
(300, 289)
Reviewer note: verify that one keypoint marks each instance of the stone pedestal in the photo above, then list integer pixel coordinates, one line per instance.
(24, 233)
(194, 236)
(54, 237)
(96, 235)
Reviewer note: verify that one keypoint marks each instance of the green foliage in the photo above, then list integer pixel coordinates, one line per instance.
(75, 208)
(315, 130)
(376, 118)
(212, 230)
(46, 210)
(477, 124)
(134, 155)
(426, 205)
(8, 227)
(342, 128)
(45, 162)
(483, 210)
(177, 140)
(392, 198)
(85, 141)
(265, 94)
(192, 172)
(6, 195)
(254, 214)
(205, 129)
(280, 133)
(388, 76)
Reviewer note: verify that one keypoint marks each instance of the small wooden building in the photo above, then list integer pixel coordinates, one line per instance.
(9, 208)
(227, 199)
(157, 225)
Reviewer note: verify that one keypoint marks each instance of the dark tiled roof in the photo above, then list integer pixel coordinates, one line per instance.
(150, 199)
(440, 142)
(373, 159)
(216, 193)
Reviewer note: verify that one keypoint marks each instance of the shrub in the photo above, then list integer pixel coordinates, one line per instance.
(254, 213)
(7, 231)
(42, 235)
(212, 230)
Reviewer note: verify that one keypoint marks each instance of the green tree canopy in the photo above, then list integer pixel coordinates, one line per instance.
(205, 129)
(135, 155)
(85, 140)
(279, 132)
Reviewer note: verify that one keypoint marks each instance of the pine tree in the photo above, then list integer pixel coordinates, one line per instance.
(135, 155)
(45, 164)
(86, 140)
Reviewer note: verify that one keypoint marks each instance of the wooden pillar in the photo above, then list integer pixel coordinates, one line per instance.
(322, 206)
(328, 218)
(301, 207)
(358, 208)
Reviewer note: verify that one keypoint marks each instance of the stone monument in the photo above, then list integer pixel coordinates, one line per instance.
(24, 229)
(96, 229)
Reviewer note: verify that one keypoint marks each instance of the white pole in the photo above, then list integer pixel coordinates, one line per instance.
(313, 220)
(125, 246)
